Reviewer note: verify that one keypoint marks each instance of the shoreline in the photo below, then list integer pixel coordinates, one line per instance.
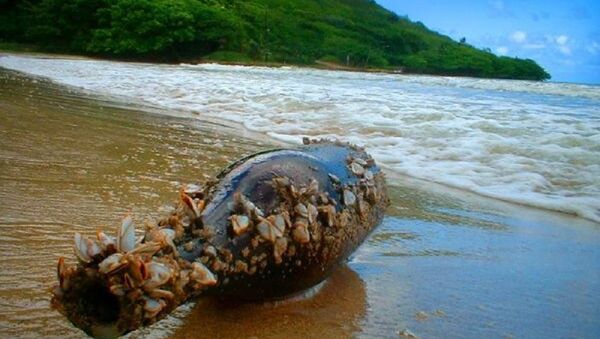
(442, 261)
(325, 66)
(477, 197)
(198, 118)
(319, 64)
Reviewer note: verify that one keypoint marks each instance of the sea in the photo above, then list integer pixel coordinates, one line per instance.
(529, 143)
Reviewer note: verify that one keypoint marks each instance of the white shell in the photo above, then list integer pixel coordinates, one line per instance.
(202, 275)
(158, 273)
(192, 189)
(349, 198)
(152, 307)
(239, 223)
(360, 162)
(168, 232)
(110, 263)
(279, 223)
(300, 208)
(268, 230)
(126, 235)
(81, 248)
(357, 169)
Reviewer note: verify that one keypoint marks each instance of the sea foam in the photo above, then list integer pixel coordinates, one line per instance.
(531, 143)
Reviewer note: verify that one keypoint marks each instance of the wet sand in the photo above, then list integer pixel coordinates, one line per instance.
(443, 263)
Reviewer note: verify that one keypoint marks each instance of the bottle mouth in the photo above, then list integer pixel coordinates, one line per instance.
(89, 304)
(123, 282)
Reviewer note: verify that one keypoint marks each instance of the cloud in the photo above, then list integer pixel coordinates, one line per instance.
(518, 36)
(502, 50)
(564, 49)
(561, 44)
(562, 39)
(593, 48)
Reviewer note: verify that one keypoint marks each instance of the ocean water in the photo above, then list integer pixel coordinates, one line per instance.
(531, 143)
(443, 262)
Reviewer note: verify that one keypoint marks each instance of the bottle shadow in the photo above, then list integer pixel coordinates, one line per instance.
(335, 310)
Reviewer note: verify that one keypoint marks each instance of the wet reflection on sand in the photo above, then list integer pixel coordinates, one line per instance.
(74, 163)
(334, 311)
(442, 264)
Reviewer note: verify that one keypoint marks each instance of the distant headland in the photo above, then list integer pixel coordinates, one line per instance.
(339, 34)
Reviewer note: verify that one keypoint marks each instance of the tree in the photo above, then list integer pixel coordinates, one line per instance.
(142, 26)
(359, 33)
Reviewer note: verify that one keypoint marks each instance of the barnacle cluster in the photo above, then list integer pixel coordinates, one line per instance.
(132, 281)
(286, 240)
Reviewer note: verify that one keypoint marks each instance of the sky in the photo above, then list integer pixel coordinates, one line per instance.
(562, 36)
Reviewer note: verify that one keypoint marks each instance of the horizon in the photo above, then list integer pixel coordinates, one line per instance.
(562, 37)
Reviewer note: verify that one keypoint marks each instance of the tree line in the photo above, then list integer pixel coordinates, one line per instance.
(352, 33)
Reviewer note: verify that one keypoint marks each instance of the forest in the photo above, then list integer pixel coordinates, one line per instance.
(357, 34)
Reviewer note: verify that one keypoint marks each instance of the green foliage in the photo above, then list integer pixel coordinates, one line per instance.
(226, 56)
(354, 33)
(54, 24)
(142, 26)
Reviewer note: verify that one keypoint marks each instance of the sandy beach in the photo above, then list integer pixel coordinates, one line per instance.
(444, 263)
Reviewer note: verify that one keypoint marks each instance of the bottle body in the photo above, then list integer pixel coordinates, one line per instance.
(272, 225)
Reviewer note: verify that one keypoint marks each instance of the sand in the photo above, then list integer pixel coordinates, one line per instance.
(443, 263)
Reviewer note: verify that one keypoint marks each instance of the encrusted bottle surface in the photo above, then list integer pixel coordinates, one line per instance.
(273, 224)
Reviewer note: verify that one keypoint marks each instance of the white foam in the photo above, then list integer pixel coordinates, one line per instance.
(527, 142)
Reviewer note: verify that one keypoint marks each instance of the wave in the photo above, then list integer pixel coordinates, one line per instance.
(531, 143)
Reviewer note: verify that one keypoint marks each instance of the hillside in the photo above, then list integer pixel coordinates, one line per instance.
(350, 33)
